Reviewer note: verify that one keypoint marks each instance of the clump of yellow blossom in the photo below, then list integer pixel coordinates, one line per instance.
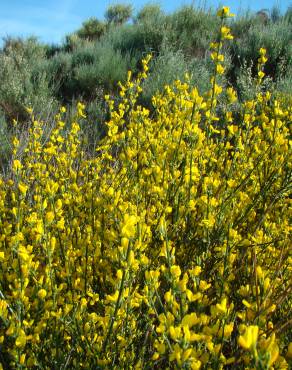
(170, 248)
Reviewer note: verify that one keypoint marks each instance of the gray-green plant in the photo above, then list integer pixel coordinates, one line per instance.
(118, 13)
(191, 29)
(108, 68)
(150, 13)
(276, 38)
(23, 82)
(92, 29)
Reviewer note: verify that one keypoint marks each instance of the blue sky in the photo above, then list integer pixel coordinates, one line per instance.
(51, 20)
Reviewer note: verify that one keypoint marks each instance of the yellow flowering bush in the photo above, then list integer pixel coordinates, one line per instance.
(168, 249)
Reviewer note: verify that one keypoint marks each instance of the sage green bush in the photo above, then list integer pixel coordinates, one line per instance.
(106, 68)
(277, 40)
(150, 13)
(192, 30)
(23, 82)
(92, 29)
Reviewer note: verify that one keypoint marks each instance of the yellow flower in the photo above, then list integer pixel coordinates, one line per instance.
(29, 110)
(225, 33)
(196, 364)
(196, 271)
(21, 339)
(231, 94)
(249, 339)
(214, 45)
(129, 226)
(22, 188)
(220, 69)
(168, 296)
(204, 285)
(217, 57)
(155, 356)
(61, 224)
(187, 353)
(175, 332)
(274, 353)
(113, 297)
(262, 60)
(42, 293)
(119, 274)
(80, 110)
(289, 351)
(50, 216)
(222, 307)
(53, 243)
(23, 253)
(17, 165)
(225, 12)
(175, 271)
(246, 303)
(161, 348)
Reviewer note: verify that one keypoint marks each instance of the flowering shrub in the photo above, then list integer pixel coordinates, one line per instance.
(168, 249)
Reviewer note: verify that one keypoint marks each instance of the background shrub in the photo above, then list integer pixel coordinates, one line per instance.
(92, 29)
(119, 13)
(191, 30)
(108, 67)
(24, 83)
(150, 13)
(275, 37)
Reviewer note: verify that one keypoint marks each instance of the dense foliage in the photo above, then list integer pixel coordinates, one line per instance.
(168, 248)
